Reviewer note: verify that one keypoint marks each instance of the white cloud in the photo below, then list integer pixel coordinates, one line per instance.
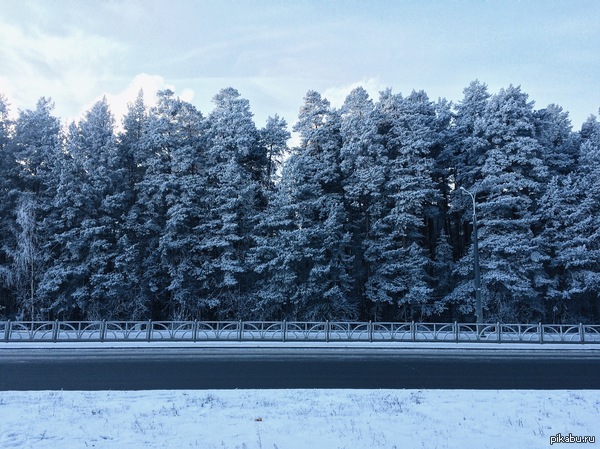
(69, 67)
(337, 94)
(150, 84)
(187, 94)
(118, 102)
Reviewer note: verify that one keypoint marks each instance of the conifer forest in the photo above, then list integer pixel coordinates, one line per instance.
(173, 213)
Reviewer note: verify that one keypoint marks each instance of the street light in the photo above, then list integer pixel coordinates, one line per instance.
(479, 311)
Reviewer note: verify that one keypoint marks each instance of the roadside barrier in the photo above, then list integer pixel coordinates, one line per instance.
(325, 331)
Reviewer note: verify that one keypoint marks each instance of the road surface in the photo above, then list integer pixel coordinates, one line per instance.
(230, 368)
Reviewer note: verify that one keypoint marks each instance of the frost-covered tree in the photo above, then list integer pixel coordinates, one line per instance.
(35, 146)
(159, 143)
(227, 236)
(86, 221)
(442, 269)
(559, 143)
(325, 287)
(6, 130)
(465, 150)
(275, 257)
(236, 170)
(130, 141)
(23, 274)
(508, 182)
(233, 133)
(569, 240)
(7, 170)
(396, 250)
(5, 122)
(274, 137)
(571, 236)
(186, 216)
(590, 130)
(462, 157)
(363, 163)
(131, 243)
(305, 249)
(36, 139)
(186, 201)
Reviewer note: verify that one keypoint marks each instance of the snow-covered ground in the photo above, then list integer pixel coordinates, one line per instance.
(297, 419)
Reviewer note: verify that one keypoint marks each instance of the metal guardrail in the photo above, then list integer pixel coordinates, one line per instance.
(327, 331)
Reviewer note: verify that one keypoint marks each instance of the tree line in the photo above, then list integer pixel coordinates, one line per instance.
(180, 215)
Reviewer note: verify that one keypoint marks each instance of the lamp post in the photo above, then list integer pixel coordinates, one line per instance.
(479, 311)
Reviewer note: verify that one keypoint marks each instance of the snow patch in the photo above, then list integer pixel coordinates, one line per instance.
(295, 419)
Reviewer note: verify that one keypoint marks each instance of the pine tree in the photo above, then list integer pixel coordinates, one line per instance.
(274, 137)
(187, 207)
(233, 133)
(275, 258)
(363, 163)
(34, 147)
(460, 163)
(85, 222)
(571, 236)
(560, 145)
(163, 146)
(227, 238)
(397, 250)
(324, 288)
(466, 150)
(509, 185)
(442, 268)
(304, 244)
(136, 303)
(236, 171)
(590, 129)
(7, 170)
(464, 156)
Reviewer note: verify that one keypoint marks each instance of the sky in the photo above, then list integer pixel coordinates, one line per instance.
(274, 51)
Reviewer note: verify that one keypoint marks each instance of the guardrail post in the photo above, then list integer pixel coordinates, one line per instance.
(581, 333)
(456, 332)
(240, 330)
(149, 330)
(413, 331)
(7, 331)
(195, 330)
(283, 330)
(55, 331)
(327, 328)
(370, 331)
(102, 330)
(498, 333)
(541, 333)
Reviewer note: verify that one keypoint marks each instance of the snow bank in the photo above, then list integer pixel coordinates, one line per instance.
(296, 419)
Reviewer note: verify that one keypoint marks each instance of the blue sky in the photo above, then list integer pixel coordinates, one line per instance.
(273, 51)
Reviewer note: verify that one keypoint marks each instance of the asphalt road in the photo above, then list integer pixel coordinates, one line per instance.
(230, 368)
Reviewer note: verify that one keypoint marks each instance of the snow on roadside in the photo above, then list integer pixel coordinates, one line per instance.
(296, 419)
